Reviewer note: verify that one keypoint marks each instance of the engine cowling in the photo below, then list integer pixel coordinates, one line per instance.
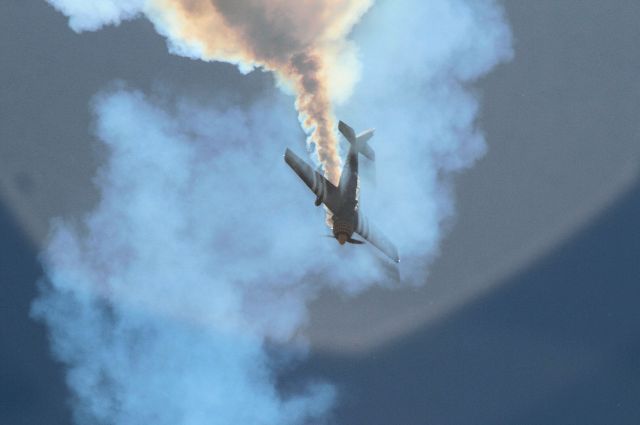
(342, 229)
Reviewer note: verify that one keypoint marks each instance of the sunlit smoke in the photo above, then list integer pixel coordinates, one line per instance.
(205, 249)
(304, 43)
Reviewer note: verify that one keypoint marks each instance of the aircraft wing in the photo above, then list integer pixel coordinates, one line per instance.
(376, 238)
(323, 188)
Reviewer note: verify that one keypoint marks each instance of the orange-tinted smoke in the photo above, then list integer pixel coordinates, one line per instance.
(303, 42)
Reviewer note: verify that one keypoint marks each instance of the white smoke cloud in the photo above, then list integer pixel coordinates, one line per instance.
(161, 301)
(304, 44)
(205, 247)
(419, 60)
(95, 14)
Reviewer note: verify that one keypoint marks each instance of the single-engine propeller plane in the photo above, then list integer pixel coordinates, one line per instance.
(342, 201)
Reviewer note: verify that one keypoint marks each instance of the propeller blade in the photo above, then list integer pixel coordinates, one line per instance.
(355, 241)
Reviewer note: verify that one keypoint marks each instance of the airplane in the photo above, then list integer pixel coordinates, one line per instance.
(342, 200)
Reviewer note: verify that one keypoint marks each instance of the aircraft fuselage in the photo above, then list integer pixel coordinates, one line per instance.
(345, 220)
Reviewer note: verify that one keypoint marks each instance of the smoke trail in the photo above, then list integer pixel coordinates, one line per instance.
(304, 43)
(202, 251)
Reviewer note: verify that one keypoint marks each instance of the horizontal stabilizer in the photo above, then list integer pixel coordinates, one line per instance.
(347, 132)
(358, 142)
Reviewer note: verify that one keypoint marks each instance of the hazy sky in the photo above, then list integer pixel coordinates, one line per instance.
(560, 124)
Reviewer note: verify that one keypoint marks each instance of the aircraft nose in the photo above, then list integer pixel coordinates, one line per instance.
(342, 238)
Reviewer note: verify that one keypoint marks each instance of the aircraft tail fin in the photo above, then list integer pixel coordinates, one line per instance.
(359, 141)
